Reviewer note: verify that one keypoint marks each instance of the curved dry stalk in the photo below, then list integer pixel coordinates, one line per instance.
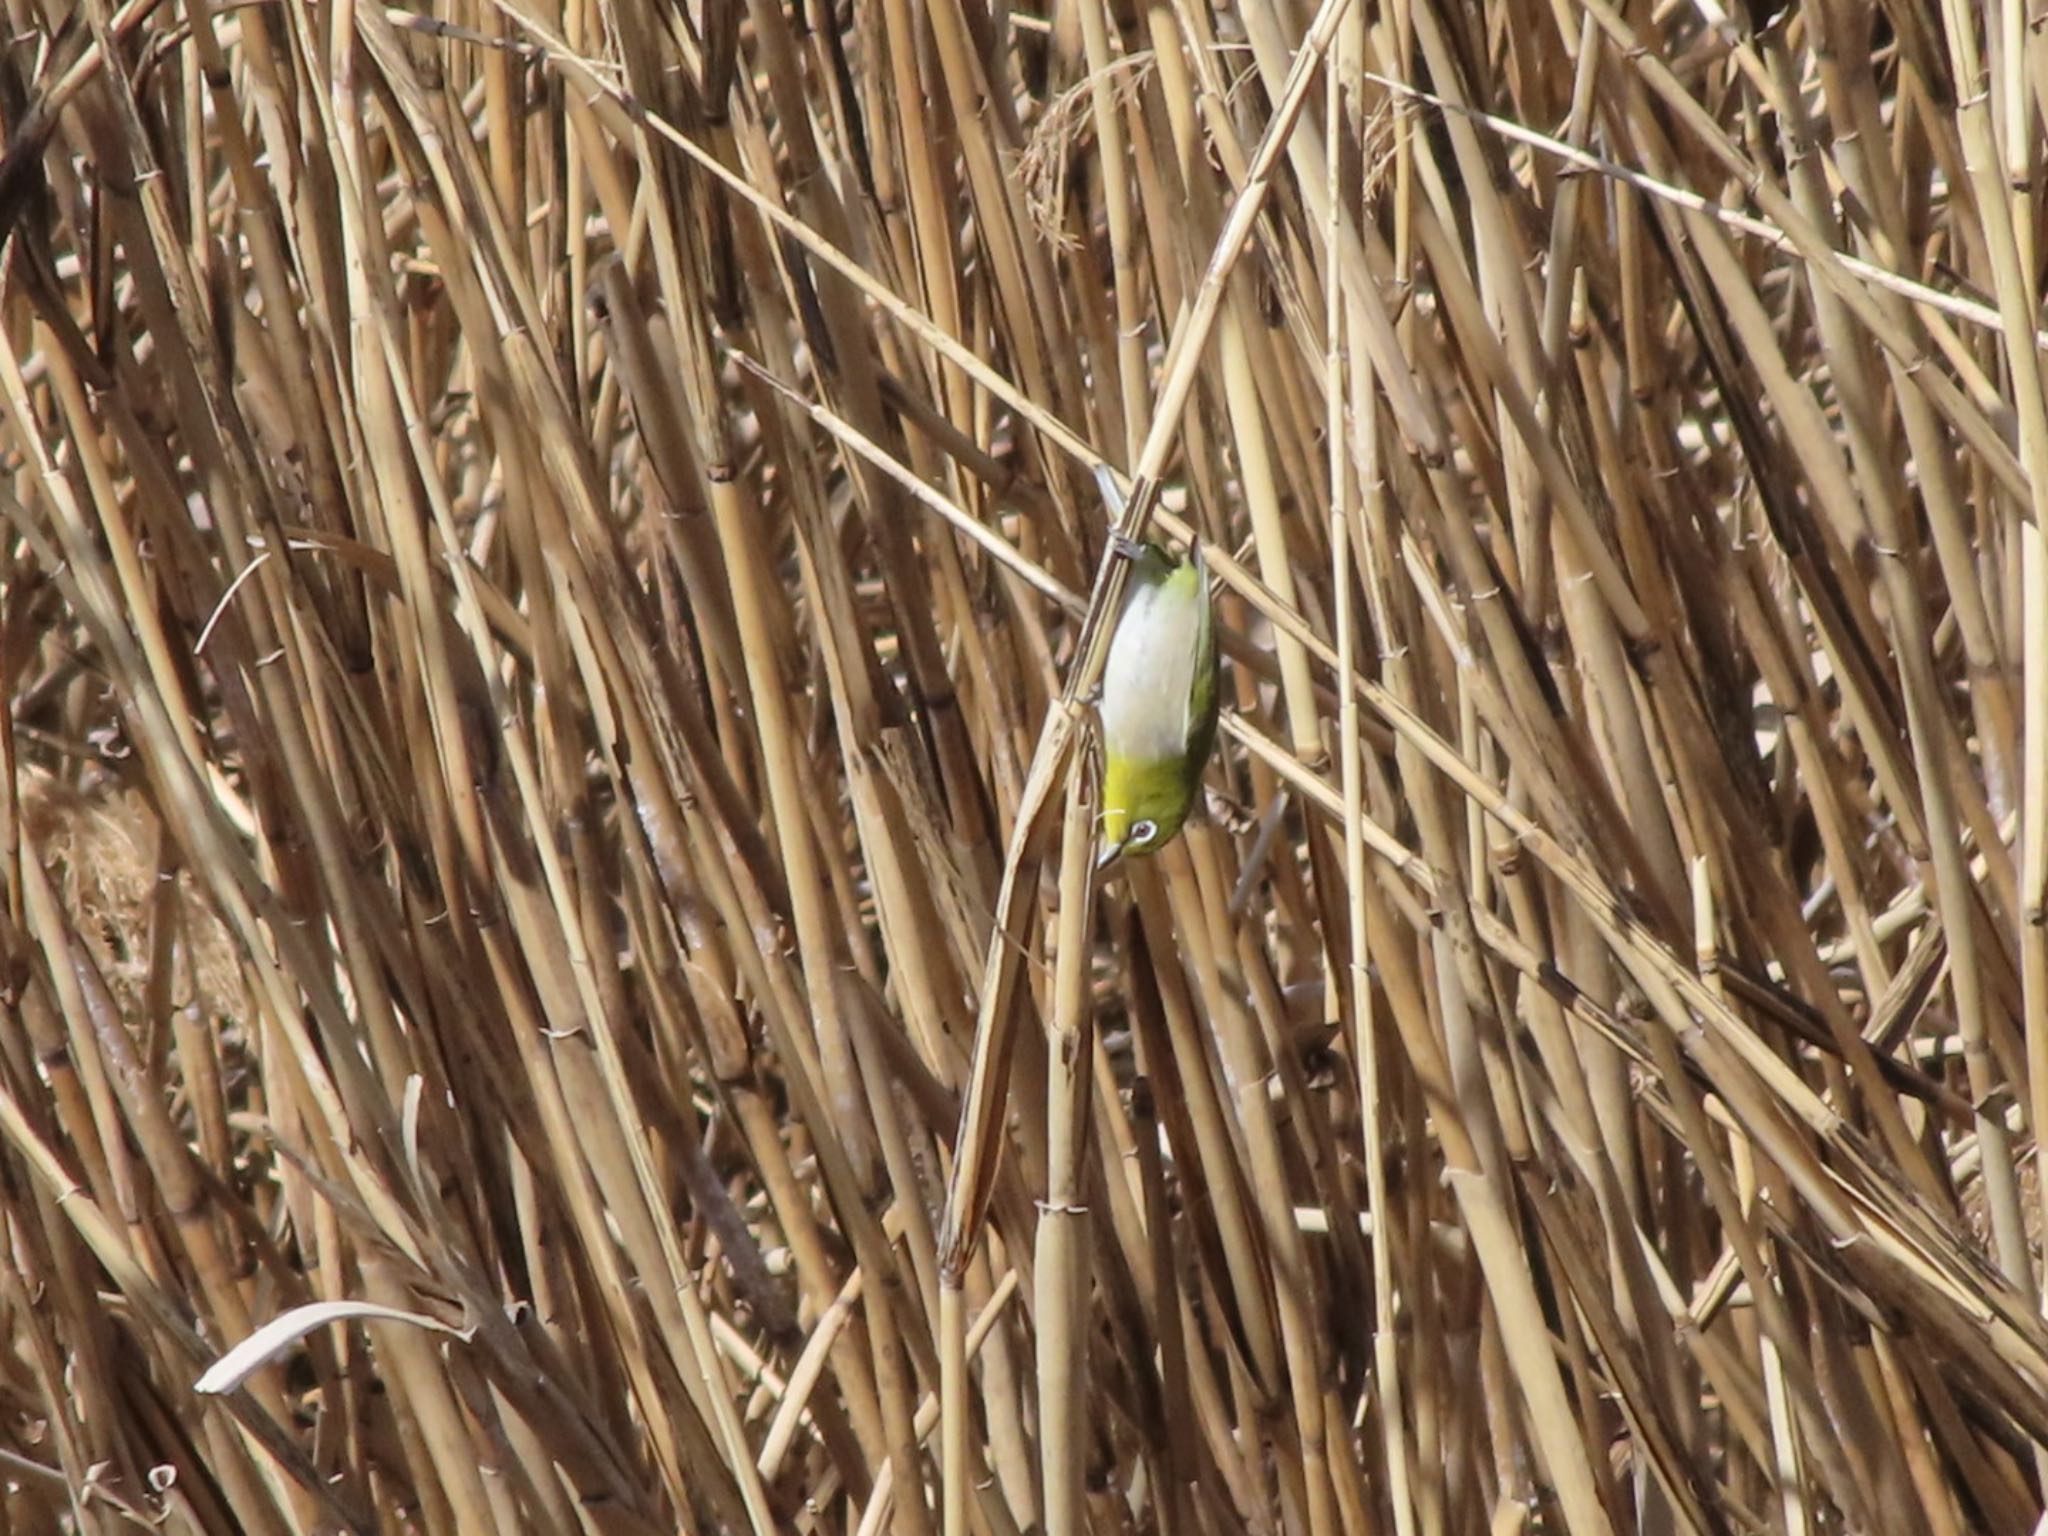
(547, 618)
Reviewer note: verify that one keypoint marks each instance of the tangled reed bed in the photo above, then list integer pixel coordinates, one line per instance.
(550, 579)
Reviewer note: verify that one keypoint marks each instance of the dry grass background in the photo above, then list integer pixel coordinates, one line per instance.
(550, 572)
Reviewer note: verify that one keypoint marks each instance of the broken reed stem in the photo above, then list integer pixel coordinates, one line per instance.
(547, 609)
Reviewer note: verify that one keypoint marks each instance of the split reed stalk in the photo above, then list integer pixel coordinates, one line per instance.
(554, 559)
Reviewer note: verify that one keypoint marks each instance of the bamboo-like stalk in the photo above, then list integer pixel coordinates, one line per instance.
(550, 592)
(1062, 1257)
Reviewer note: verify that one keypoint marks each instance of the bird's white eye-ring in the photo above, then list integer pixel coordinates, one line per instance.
(1142, 832)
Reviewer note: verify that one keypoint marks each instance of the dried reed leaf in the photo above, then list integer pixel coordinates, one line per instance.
(553, 561)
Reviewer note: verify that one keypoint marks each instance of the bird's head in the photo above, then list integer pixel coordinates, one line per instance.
(1143, 806)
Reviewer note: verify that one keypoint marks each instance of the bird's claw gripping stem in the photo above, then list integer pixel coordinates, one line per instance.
(1121, 544)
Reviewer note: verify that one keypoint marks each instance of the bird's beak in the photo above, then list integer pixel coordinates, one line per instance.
(1111, 852)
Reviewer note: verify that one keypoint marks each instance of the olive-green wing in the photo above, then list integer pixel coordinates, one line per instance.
(1202, 701)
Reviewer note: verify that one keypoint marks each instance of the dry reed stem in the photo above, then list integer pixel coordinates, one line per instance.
(551, 571)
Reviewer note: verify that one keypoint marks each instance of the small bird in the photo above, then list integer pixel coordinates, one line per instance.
(1158, 705)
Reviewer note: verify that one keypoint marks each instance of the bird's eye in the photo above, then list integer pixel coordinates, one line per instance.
(1142, 833)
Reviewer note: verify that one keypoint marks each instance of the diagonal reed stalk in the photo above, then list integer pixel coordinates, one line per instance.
(553, 562)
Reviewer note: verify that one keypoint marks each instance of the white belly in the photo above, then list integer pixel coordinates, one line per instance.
(1149, 677)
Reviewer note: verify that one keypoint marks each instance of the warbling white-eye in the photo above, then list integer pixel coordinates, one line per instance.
(1158, 706)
